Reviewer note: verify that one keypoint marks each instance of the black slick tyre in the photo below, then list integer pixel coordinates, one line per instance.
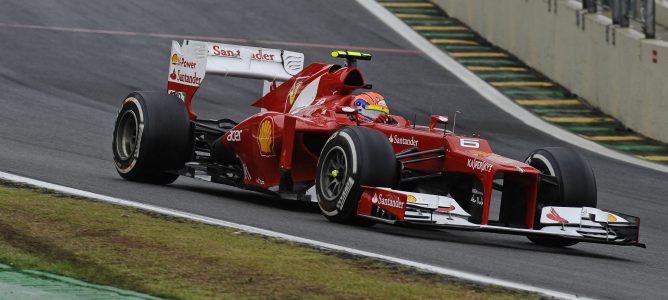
(576, 185)
(152, 137)
(352, 157)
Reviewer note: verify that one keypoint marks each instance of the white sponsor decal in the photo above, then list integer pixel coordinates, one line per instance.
(477, 197)
(395, 139)
(479, 165)
(193, 79)
(247, 175)
(344, 195)
(180, 61)
(234, 136)
(180, 95)
(391, 202)
(260, 54)
(469, 143)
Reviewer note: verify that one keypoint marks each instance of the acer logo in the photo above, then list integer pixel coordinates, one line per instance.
(391, 202)
(234, 136)
(395, 139)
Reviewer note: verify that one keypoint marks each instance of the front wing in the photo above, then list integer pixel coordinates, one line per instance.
(584, 224)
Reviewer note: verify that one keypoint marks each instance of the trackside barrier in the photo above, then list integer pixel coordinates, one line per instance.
(616, 69)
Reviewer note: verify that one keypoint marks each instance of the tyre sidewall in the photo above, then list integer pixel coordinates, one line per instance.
(136, 161)
(341, 208)
(164, 137)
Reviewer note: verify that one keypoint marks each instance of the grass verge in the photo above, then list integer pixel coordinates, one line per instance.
(176, 258)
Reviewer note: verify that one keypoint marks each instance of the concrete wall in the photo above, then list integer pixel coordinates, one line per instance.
(662, 12)
(610, 67)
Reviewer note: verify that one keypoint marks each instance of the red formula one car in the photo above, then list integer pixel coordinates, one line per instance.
(308, 143)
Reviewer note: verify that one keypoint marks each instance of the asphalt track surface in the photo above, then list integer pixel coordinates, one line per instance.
(62, 79)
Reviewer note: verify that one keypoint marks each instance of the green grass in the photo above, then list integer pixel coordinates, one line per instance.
(176, 258)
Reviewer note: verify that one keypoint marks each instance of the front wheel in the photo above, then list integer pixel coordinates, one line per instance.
(351, 158)
(576, 188)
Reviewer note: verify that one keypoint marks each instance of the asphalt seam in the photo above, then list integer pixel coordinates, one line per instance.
(499, 95)
(172, 36)
(313, 243)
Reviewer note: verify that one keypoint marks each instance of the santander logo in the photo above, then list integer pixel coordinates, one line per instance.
(259, 55)
(395, 139)
(391, 202)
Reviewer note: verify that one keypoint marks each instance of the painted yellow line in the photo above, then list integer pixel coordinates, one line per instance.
(477, 54)
(417, 16)
(617, 138)
(578, 119)
(492, 69)
(407, 4)
(522, 83)
(548, 102)
(453, 42)
(440, 28)
(654, 157)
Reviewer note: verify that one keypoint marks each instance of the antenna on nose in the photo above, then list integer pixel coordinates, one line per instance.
(454, 122)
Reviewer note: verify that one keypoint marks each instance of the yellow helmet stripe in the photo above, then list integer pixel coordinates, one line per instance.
(378, 107)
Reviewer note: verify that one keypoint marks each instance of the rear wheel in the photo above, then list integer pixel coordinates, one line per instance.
(151, 137)
(352, 157)
(576, 188)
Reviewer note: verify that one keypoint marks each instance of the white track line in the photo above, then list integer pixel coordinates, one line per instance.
(492, 94)
(292, 238)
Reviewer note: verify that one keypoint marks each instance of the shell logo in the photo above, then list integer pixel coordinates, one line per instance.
(411, 198)
(612, 218)
(265, 136)
(175, 59)
(480, 153)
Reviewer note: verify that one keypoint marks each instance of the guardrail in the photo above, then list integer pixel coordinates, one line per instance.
(623, 11)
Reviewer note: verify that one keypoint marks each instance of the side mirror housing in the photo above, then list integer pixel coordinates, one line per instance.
(436, 119)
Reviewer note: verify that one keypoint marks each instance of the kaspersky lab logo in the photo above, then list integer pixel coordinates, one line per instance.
(395, 139)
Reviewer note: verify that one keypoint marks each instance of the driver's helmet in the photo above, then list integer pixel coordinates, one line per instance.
(369, 105)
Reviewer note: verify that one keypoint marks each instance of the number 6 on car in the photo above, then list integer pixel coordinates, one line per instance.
(469, 143)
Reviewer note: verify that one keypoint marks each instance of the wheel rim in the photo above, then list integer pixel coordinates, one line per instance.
(334, 173)
(126, 136)
(540, 163)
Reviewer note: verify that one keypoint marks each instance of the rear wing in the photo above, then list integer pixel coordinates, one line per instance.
(190, 62)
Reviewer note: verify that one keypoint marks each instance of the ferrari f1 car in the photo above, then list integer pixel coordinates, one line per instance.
(307, 143)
